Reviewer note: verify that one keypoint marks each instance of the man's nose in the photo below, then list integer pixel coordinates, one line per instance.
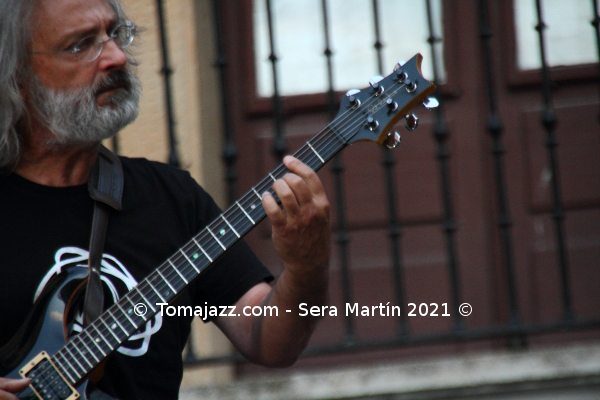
(112, 56)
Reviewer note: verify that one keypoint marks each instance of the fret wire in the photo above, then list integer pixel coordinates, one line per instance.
(157, 292)
(48, 371)
(87, 347)
(110, 346)
(218, 241)
(78, 337)
(313, 149)
(70, 366)
(190, 261)
(272, 177)
(64, 369)
(109, 329)
(202, 249)
(127, 316)
(244, 211)
(95, 343)
(117, 322)
(160, 285)
(258, 195)
(145, 299)
(167, 282)
(241, 223)
(133, 308)
(232, 228)
(222, 234)
(179, 273)
(251, 206)
(74, 357)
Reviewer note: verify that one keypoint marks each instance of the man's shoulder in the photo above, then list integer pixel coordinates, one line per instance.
(147, 175)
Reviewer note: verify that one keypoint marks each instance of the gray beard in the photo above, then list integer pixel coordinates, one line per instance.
(74, 117)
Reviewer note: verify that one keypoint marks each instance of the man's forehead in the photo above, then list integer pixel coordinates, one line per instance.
(56, 17)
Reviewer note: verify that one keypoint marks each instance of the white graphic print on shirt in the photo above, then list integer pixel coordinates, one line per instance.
(115, 276)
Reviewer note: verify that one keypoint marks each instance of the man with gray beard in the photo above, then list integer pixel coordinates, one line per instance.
(75, 117)
(65, 85)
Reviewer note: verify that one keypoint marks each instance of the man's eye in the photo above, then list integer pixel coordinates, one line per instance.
(83, 45)
(118, 32)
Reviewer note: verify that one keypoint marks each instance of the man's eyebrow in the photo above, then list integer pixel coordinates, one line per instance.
(73, 36)
(81, 33)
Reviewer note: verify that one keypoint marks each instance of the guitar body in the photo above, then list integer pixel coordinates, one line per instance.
(45, 330)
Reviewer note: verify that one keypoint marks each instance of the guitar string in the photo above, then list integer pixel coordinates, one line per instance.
(322, 143)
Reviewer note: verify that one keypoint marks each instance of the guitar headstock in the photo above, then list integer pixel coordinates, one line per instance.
(371, 113)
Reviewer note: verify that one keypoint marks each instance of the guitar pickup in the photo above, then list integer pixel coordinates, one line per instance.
(46, 381)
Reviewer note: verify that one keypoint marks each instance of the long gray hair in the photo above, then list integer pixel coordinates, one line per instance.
(15, 38)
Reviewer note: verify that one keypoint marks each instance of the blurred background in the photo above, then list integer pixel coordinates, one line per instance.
(493, 201)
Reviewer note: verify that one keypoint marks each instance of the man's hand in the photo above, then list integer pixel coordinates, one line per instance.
(301, 237)
(301, 233)
(8, 386)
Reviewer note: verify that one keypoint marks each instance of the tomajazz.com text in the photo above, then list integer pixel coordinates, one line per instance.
(383, 310)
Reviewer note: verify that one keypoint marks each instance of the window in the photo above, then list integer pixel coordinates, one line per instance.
(300, 42)
(569, 37)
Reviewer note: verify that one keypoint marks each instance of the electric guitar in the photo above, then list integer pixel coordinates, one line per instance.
(63, 368)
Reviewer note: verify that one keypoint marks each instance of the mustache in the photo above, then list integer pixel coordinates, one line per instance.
(115, 80)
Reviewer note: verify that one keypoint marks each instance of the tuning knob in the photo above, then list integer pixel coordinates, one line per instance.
(411, 86)
(392, 140)
(412, 122)
(374, 82)
(354, 102)
(392, 105)
(430, 103)
(372, 123)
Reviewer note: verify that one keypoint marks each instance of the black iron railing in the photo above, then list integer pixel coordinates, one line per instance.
(515, 329)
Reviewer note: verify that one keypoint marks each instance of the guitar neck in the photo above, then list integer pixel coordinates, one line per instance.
(90, 347)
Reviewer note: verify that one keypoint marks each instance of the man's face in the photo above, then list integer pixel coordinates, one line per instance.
(79, 101)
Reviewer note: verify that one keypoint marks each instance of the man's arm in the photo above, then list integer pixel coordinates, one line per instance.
(301, 236)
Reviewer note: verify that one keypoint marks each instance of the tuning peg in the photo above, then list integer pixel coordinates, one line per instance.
(392, 140)
(375, 79)
(430, 103)
(412, 122)
(399, 65)
(372, 123)
(354, 102)
(392, 105)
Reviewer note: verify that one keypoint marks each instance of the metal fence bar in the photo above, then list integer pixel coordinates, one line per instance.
(441, 134)
(395, 227)
(229, 149)
(494, 126)
(279, 144)
(596, 25)
(167, 71)
(558, 213)
(342, 238)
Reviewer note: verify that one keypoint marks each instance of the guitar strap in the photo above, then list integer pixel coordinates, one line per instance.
(105, 186)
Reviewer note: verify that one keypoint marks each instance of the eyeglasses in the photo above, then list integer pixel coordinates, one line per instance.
(89, 48)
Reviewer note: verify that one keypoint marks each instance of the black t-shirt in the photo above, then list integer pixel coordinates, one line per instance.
(45, 230)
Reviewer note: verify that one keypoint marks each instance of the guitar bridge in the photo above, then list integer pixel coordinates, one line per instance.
(46, 381)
